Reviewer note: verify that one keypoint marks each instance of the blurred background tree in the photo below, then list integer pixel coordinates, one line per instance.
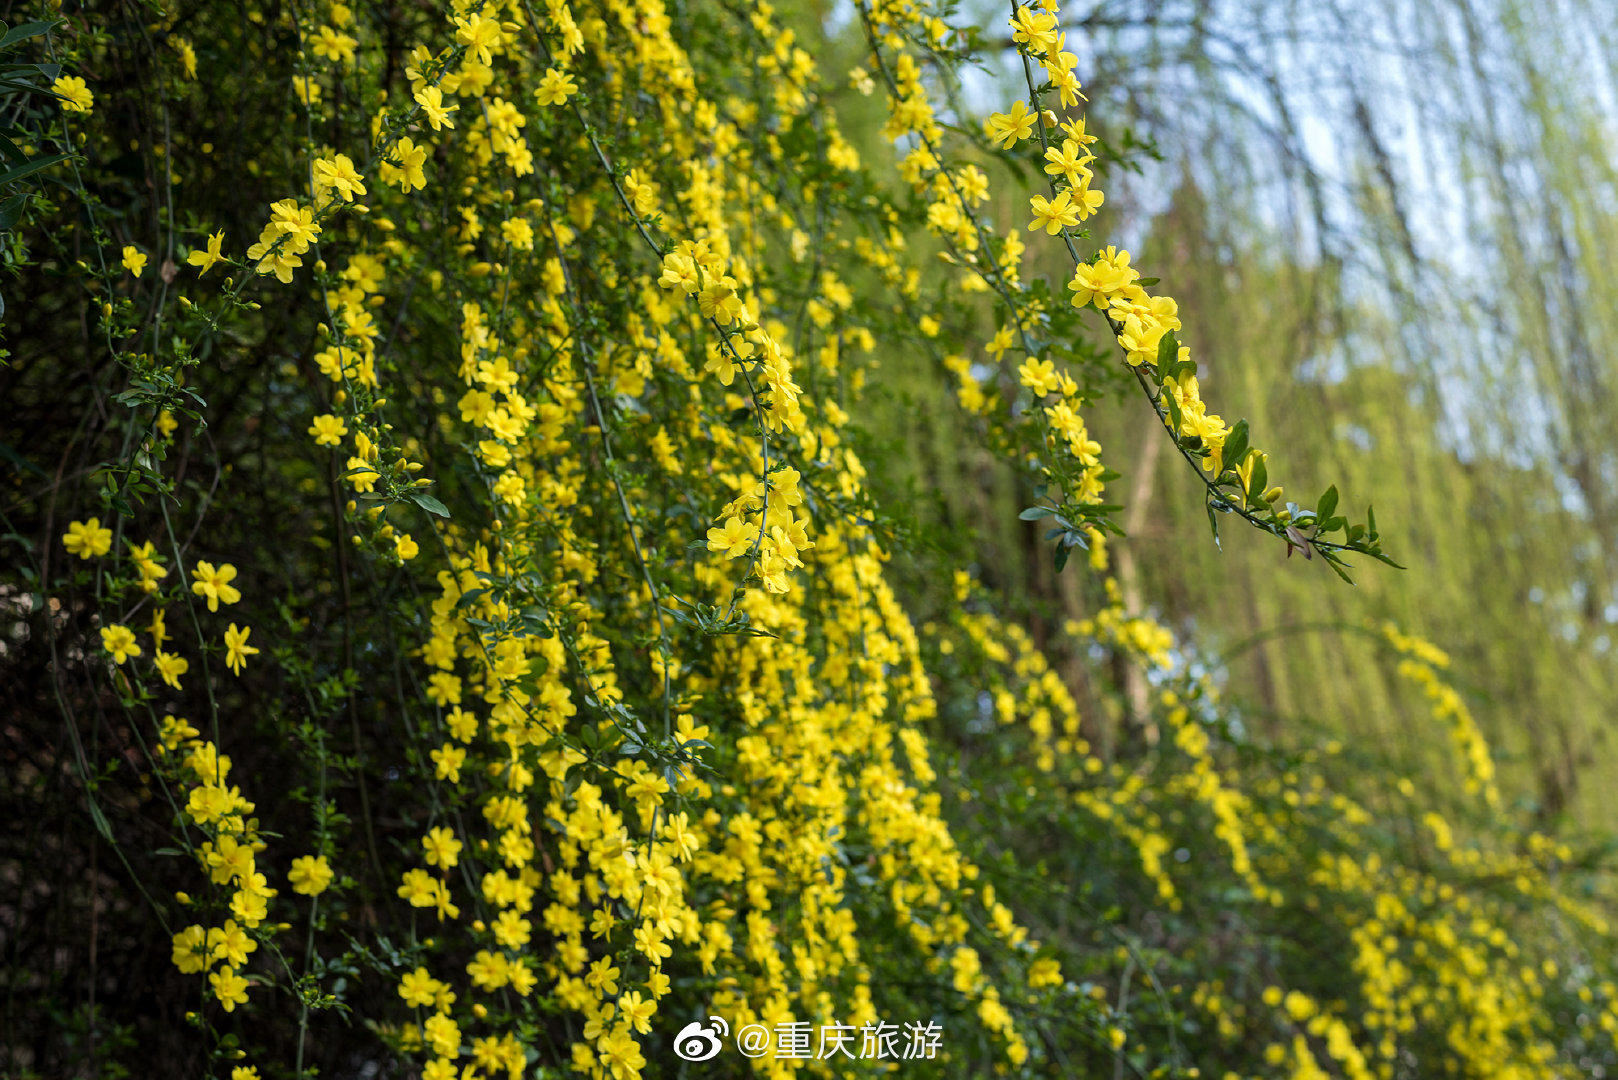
(1389, 233)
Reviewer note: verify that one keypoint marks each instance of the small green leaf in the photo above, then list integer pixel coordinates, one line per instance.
(1337, 564)
(11, 176)
(1256, 481)
(26, 30)
(1172, 404)
(11, 210)
(1236, 445)
(1034, 513)
(429, 504)
(1327, 503)
(1168, 351)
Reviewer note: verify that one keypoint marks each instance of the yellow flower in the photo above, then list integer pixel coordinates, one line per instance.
(151, 571)
(215, 584)
(1036, 28)
(621, 1054)
(188, 63)
(87, 538)
(406, 548)
(431, 100)
(237, 650)
(448, 759)
(331, 44)
(134, 261)
(603, 976)
(337, 173)
(637, 1011)
(76, 97)
(1044, 972)
(443, 850)
(555, 88)
(1010, 128)
(191, 950)
(231, 988)
(362, 476)
(418, 988)
(479, 35)
(120, 641)
(1098, 282)
(1053, 215)
(1039, 376)
(328, 430)
(408, 173)
(735, 539)
(174, 731)
(159, 632)
(680, 271)
(171, 667)
(230, 943)
(310, 875)
(518, 233)
(306, 89)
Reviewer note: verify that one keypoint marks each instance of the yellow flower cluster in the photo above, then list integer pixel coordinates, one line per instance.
(1422, 665)
(669, 726)
(228, 857)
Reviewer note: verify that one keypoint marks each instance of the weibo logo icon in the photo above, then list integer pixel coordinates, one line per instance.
(698, 1043)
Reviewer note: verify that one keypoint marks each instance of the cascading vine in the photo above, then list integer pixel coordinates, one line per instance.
(573, 615)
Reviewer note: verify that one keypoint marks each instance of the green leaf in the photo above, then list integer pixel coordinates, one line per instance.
(1213, 523)
(50, 71)
(100, 820)
(1034, 513)
(1327, 503)
(1172, 404)
(1337, 565)
(11, 210)
(1168, 351)
(1061, 556)
(1370, 523)
(26, 30)
(1256, 481)
(11, 176)
(429, 504)
(1236, 445)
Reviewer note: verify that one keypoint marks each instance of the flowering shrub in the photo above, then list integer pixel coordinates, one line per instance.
(442, 536)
